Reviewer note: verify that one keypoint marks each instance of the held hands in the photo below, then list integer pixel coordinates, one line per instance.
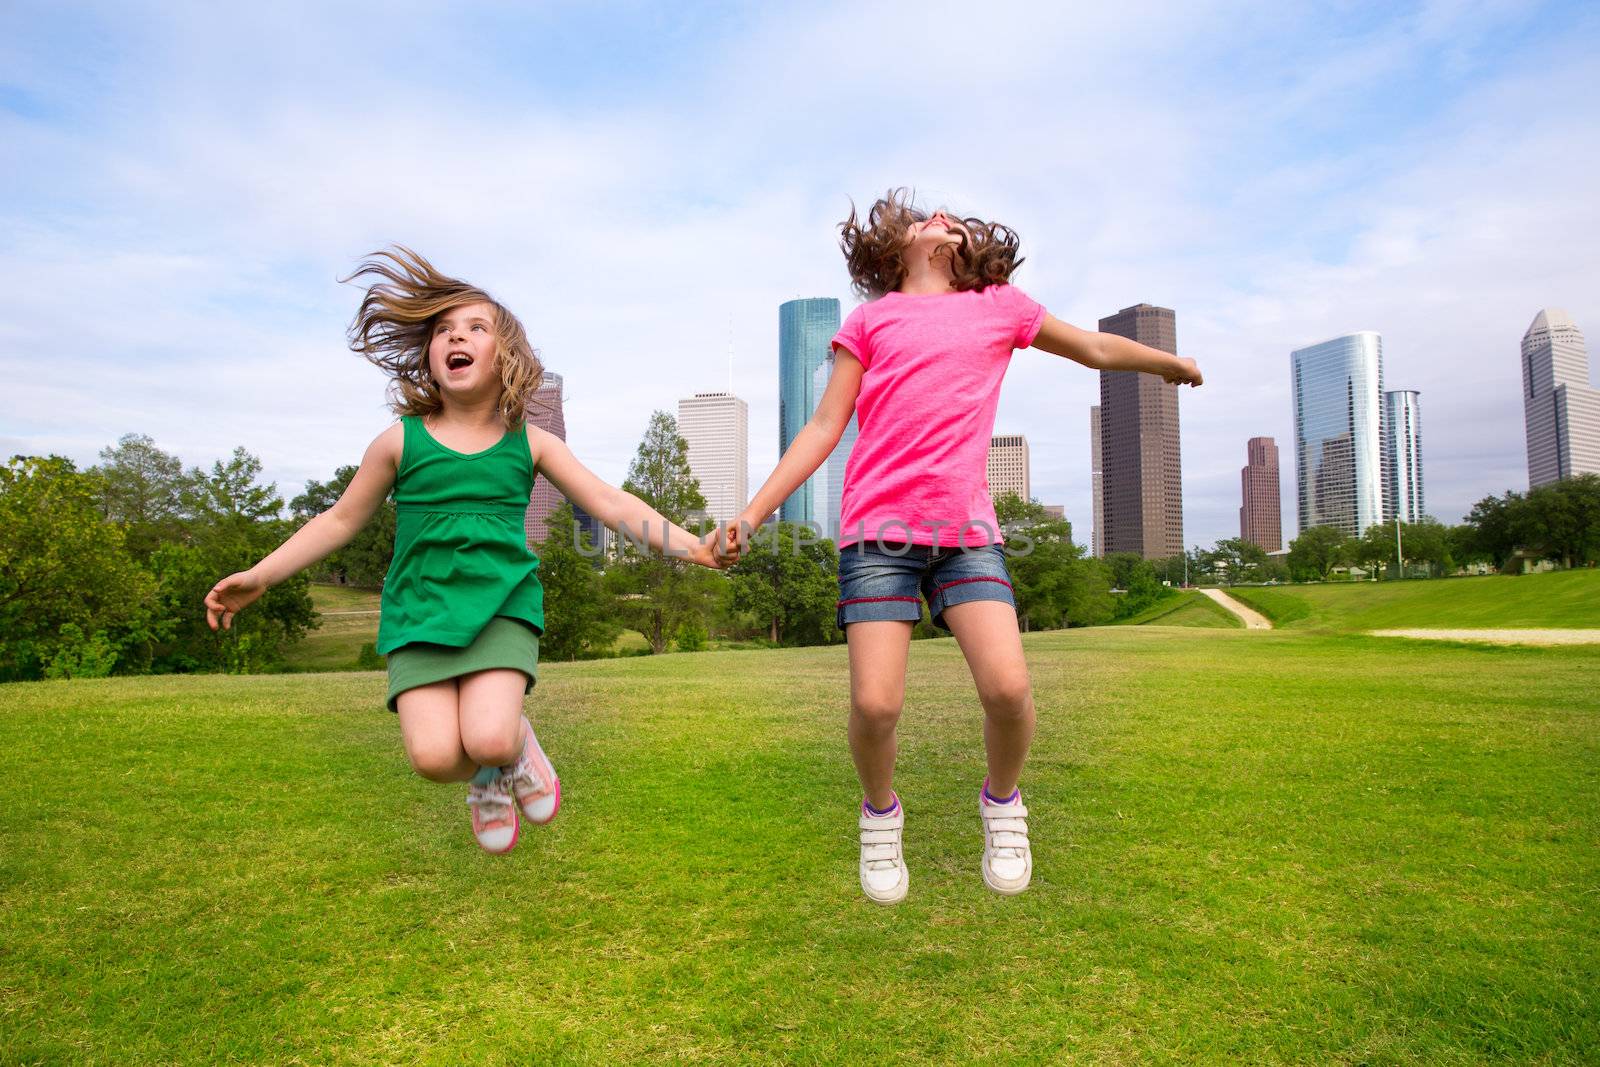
(1182, 372)
(733, 540)
(231, 596)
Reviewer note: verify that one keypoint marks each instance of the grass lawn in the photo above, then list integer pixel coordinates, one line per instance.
(1248, 846)
(349, 620)
(1559, 599)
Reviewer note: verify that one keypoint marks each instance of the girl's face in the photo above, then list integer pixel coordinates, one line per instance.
(461, 354)
(934, 233)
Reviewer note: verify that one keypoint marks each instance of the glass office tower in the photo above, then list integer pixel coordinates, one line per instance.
(1402, 455)
(1338, 430)
(805, 335)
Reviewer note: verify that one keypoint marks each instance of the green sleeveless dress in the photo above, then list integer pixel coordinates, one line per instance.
(463, 592)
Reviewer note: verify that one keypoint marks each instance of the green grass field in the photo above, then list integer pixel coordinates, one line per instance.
(1563, 599)
(1249, 846)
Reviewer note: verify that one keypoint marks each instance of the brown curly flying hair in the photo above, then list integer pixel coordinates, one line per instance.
(394, 326)
(874, 251)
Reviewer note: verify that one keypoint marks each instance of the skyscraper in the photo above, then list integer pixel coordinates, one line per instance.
(717, 428)
(1560, 409)
(1260, 513)
(1141, 464)
(1338, 431)
(545, 411)
(1402, 455)
(805, 335)
(1008, 466)
(828, 483)
(1097, 515)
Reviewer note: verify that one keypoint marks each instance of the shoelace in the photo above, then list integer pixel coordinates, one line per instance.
(492, 801)
(878, 849)
(1007, 833)
(522, 778)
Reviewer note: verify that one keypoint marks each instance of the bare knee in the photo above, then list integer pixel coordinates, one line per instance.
(878, 711)
(493, 745)
(438, 762)
(1008, 698)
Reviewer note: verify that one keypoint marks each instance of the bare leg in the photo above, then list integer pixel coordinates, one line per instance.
(878, 653)
(987, 633)
(491, 716)
(431, 730)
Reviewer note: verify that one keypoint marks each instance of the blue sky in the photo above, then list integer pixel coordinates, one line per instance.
(183, 183)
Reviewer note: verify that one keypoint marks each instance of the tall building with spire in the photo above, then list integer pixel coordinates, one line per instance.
(1402, 455)
(717, 429)
(1561, 409)
(1338, 431)
(1141, 462)
(545, 411)
(1260, 518)
(805, 337)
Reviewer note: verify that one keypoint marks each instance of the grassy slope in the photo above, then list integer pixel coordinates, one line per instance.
(1247, 846)
(1185, 608)
(1560, 600)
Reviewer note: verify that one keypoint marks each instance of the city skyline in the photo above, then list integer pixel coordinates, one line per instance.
(1261, 495)
(1008, 466)
(806, 327)
(546, 410)
(1321, 170)
(1404, 497)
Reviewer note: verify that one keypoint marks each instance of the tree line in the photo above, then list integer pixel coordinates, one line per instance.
(103, 570)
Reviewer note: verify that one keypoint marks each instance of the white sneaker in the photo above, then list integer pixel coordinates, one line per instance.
(884, 877)
(532, 780)
(494, 815)
(1007, 858)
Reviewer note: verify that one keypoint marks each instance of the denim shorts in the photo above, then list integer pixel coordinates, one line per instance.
(880, 581)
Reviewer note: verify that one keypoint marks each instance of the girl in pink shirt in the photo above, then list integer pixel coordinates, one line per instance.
(920, 366)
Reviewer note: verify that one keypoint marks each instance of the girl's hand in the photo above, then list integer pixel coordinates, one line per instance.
(1184, 372)
(707, 552)
(732, 541)
(230, 596)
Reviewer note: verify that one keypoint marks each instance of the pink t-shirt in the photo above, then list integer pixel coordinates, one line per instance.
(919, 473)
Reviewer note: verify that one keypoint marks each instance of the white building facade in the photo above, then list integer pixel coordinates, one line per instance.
(717, 428)
(1561, 410)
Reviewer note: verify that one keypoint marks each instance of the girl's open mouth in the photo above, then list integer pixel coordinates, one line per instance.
(457, 360)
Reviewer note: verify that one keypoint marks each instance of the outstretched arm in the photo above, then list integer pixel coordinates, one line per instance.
(813, 444)
(615, 507)
(317, 539)
(1107, 351)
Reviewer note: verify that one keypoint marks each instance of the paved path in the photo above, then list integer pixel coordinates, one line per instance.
(1253, 620)
(1502, 637)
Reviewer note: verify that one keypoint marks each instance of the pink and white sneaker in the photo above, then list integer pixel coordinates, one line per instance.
(884, 875)
(532, 780)
(1007, 856)
(494, 816)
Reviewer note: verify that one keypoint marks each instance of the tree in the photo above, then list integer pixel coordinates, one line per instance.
(1316, 552)
(789, 579)
(70, 593)
(365, 560)
(1427, 542)
(1493, 522)
(656, 592)
(579, 616)
(141, 489)
(1562, 520)
(1054, 585)
(1372, 549)
(1240, 560)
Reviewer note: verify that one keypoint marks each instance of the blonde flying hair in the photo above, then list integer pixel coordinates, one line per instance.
(394, 326)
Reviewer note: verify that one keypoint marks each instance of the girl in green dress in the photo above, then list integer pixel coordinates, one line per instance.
(462, 605)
